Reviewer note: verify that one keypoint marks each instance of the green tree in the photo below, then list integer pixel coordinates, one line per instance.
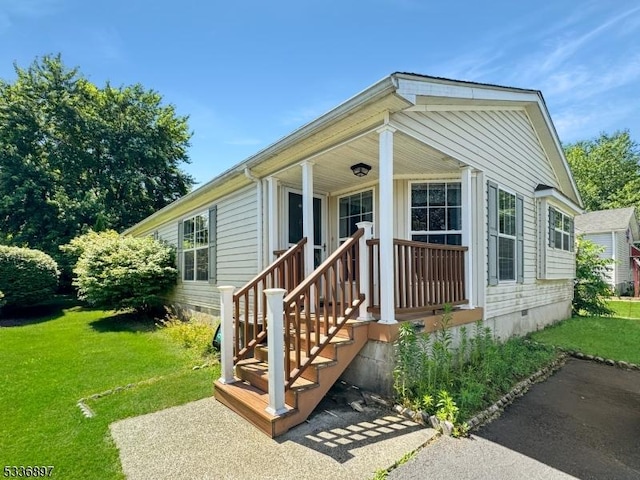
(606, 171)
(590, 290)
(74, 156)
(122, 273)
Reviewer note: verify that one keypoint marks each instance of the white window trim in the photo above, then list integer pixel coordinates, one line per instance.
(205, 214)
(410, 231)
(564, 232)
(350, 194)
(512, 237)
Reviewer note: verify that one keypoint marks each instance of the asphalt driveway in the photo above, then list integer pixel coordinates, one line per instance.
(583, 422)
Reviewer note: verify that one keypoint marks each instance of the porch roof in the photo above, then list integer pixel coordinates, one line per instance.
(332, 136)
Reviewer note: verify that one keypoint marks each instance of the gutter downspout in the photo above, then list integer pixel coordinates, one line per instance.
(260, 229)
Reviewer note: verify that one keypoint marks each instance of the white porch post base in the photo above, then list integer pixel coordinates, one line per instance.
(226, 343)
(365, 274)
(275, 339)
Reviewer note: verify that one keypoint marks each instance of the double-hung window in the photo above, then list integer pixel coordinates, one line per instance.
(560, 230)
(506, 235)
(436, 213)
(195, 248)
(353, 209)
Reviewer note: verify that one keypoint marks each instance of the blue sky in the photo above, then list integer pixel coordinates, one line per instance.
(249, 72)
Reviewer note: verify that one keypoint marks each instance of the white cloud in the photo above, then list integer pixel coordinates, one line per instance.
(587, 120)
(10, 10)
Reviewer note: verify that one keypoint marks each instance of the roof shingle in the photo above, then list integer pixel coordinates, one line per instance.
(604, 220)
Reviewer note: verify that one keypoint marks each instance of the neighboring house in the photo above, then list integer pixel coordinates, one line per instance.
(460, 181)
(616, 230)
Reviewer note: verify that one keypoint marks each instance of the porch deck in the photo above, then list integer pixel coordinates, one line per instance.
(326, 318)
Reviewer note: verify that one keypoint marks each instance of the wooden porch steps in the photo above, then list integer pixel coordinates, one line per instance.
(249, 395)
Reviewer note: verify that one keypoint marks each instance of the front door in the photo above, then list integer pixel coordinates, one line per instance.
(294, 230)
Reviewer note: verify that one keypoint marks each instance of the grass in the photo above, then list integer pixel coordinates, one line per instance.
(625, 308)
(608, 337)
(48, 363)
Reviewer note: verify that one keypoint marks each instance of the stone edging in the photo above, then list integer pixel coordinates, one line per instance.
(606, 361)
(88, 413)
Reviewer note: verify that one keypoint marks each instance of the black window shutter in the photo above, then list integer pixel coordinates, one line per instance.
(571, 235)
(492, 215)
(520, 238)
(179, 258)
(552, 227)
(213, 244)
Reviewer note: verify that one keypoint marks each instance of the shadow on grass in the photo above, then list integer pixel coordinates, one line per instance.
(40, 313)
(125, 322)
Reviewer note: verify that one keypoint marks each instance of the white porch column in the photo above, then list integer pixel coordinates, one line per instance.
(307, 215)
(274, 224)
(387, 274)
(226, 342)
(365, 274)
(467, 234)
(275, 340)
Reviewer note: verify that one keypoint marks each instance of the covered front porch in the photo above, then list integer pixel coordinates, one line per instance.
(420, 201)
(359, 236)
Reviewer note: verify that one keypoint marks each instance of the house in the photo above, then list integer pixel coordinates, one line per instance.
(616, 230)
(416, 193)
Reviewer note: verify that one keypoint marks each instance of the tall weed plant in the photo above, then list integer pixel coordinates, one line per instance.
(470, 377)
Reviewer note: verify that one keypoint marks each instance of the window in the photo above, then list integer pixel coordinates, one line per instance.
(195, 248)
(560, 230)
(436, 213)
(353, 209)
(506, 236)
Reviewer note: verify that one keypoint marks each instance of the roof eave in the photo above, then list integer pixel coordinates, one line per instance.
(378, 90)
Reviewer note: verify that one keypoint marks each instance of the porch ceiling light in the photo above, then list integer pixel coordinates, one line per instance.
(360, 169)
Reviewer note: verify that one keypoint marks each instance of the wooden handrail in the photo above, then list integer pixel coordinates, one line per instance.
(427, 276)
(328, 263)
(249, 327)
(413, 243)
(279, 261)
(323, 302)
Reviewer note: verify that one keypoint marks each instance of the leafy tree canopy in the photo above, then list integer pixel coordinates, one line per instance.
(74, 156)
(606, 171)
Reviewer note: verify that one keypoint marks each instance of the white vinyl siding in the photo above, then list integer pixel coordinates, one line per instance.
(504, 146)
(624, 273)
(237, 247)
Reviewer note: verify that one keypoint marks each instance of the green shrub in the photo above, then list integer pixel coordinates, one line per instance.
(123, 272)
(590, 290)
(27, 277)
(194, 335)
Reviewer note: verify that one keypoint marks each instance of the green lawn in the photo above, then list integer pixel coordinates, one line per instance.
(625, 308)
(48, 364)
(607, 337)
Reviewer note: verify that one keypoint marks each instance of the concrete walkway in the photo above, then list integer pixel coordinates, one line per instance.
(205, 440)
(472, 459)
